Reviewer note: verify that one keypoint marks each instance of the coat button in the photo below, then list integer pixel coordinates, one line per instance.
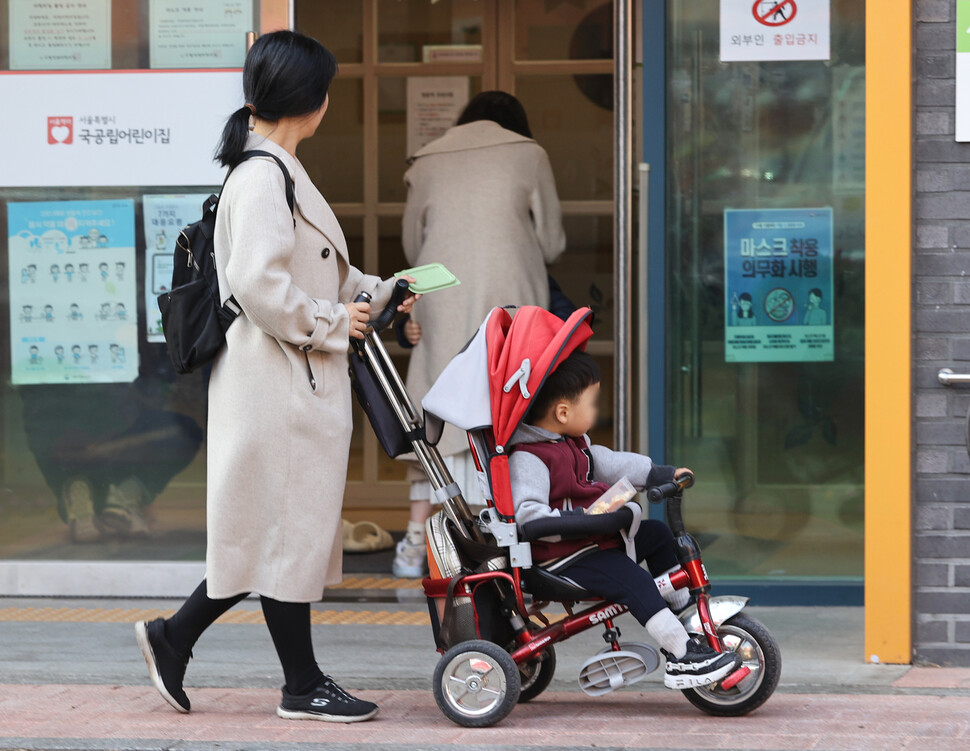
(325, 253)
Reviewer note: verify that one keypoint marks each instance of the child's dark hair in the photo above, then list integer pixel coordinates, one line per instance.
(286, 74)
(574, 375)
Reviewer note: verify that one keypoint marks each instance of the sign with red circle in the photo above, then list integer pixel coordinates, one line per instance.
(774, 12)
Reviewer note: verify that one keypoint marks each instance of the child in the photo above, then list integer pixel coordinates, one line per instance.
(556, 471)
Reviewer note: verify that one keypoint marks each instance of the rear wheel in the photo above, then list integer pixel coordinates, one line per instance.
(759, 651)
(476, 684)
(536, 675)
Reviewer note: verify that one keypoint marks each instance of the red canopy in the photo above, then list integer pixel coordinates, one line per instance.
(522, 351)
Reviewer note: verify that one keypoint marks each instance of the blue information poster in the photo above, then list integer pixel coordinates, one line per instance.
(73, 292)
(778, 285)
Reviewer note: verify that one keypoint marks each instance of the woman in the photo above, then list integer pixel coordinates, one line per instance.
(279, 398)
(481, 200)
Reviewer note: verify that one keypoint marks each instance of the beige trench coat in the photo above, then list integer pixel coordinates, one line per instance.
(279, 397)
(481, 200)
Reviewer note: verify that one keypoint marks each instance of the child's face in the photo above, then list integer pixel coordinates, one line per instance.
(576, 418)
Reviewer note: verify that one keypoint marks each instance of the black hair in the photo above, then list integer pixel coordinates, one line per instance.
(816, 291)
(746, 296)
(499, 107)
(286, 74)
(742, 313)
(574, 375)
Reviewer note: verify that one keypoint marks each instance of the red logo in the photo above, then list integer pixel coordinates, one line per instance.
(774, 12)
(60, 130)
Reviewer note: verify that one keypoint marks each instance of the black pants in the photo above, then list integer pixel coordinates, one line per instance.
(612, 575)
(288, 623)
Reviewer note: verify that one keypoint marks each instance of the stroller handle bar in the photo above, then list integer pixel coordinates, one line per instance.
(670, 489)
(386, 317)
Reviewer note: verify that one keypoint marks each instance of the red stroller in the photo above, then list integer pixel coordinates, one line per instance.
(485, 596)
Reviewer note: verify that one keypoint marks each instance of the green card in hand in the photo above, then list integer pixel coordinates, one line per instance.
(429, 278)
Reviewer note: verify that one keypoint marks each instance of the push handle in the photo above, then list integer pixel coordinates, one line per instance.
(670, 489)
(398, 295)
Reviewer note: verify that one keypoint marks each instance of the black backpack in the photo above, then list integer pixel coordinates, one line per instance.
(194, 321)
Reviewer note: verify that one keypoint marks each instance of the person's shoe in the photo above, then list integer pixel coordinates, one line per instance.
(701, 666)
(410, 561)
(327, 702)
(79, 507)
(165, 666)
(122, 510)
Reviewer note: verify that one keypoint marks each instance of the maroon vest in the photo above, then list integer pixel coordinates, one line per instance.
(570, 465)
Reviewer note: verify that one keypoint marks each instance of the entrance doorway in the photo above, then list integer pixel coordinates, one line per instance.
(556, 57)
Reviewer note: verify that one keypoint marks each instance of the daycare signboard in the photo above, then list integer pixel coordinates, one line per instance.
(778, 290)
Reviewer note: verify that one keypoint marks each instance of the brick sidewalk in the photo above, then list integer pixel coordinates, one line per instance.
(95, 717)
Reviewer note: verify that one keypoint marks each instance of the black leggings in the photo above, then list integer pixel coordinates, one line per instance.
(288, 623)
(612, 575)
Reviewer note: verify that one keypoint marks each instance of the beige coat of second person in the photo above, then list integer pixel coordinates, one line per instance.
(279, 398)
(482, 201)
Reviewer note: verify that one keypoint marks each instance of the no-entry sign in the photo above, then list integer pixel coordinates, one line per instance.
(774, 30)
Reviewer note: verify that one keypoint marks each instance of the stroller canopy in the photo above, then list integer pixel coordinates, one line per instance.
(491, 382)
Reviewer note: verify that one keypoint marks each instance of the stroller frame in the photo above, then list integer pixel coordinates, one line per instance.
(504, 674)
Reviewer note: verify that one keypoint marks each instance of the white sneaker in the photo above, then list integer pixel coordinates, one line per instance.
(410, 561)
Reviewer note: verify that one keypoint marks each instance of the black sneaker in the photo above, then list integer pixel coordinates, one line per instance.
(701, 666)
(165, 665)
(327, 702)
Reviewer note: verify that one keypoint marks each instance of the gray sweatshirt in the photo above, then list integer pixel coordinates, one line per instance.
(530, 477)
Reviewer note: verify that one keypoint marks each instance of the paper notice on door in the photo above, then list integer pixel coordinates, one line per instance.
(434, 104)
(60, 36)
(775, 30)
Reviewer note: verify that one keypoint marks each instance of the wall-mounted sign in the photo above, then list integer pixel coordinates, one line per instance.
(775, 30)
(963, 71)
(115, 128)
(60, 36)
(73, 301)
(164, 217)
(199, 35)
(778, 285)
(434, 104)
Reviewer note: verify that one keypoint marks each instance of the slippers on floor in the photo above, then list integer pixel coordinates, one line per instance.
(366, 537)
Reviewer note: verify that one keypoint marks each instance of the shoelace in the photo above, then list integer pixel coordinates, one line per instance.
(331, 686)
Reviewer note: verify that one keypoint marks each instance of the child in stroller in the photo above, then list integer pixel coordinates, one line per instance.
(556, 471)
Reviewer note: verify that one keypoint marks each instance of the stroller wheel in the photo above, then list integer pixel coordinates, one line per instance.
(536, 675)
(476, 684)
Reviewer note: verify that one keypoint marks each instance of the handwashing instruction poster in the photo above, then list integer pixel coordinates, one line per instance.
(778, 285)
(73, 292)
(165, 216)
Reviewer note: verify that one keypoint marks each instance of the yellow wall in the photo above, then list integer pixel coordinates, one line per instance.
(888, 294)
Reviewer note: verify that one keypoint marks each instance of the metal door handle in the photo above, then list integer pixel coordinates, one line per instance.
(948, 378)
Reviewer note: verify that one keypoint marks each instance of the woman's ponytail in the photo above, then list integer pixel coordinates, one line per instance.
(234, 135)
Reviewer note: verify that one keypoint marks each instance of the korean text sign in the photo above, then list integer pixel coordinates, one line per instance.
(778, 292)
(762, 30)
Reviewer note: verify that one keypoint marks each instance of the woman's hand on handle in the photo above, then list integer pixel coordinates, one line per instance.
(412, 332)
(408, 305)
(359, 318)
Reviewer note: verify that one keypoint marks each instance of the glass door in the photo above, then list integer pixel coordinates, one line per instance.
(764, 289)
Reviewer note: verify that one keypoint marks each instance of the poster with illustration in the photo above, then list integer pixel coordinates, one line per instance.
(778, 285)
(164, 218)
(73, 292)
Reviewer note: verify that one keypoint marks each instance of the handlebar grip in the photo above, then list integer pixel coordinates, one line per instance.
(669, 489)
(398, 295)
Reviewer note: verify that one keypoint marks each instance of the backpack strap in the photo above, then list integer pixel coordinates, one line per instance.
(230, 306)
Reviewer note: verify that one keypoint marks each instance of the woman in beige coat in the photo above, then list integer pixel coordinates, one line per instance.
(481, 200)
(279, 397)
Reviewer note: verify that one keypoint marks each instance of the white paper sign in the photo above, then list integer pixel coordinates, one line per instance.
(434, 103)
(115, 128)
(60, 36)
(774, 30)
(199, 35)
(963, 71)
(164, 217)
(73, 301)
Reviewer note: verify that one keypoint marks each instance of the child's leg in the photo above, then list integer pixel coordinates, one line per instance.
(655, 546)
(611, 574)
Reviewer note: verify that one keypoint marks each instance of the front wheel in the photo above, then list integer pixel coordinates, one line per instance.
(759, 651)
(476, 684)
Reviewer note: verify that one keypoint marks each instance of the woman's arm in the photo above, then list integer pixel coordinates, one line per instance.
(546, 210)
(262, 241)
